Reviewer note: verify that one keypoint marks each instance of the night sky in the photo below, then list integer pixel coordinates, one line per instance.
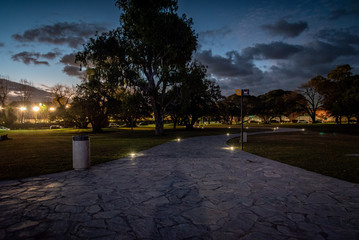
(259, 45)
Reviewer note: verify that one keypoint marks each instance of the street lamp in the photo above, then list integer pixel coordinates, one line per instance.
(36, 109)
(52, 109)
(22, 109)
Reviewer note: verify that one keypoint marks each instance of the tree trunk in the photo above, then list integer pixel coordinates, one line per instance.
(313, 118)
(158, 113)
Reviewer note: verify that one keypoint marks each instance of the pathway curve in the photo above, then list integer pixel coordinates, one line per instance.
(193, 189)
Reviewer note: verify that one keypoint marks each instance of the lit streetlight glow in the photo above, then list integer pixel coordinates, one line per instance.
(52, 109)
(36, 108)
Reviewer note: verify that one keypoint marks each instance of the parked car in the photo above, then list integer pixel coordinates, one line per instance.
(4, 128)
(113, 125)
(55, 127)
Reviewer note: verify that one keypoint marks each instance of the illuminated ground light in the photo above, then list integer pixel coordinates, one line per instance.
(132, 155)
(303, 129)
(229, 148)
(247, 127)
(229, 127)
(202, 127)
(227, 134)
(178, 139)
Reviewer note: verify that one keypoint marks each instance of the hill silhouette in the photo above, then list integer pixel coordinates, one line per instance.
(38, 95)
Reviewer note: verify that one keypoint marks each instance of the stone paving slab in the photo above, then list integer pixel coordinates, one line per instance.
(193, 189)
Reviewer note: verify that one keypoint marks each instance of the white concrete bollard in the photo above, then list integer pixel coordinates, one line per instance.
(80, 152)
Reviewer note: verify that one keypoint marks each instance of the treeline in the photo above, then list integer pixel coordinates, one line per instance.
(196, 98)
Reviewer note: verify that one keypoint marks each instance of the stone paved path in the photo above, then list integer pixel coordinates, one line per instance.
(193, 189)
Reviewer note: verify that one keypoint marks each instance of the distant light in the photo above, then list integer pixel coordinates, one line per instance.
(232, 148)
(133, 154)
(178, 139)
(202, 127)
(227, 134)
(303, 129)
(67, 106)
(36, 108)
(52, 109)
(1, 108)
(229, 127)
(247, 127)
(22, 108)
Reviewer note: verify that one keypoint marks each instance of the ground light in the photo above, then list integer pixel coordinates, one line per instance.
(227, 134)
(133, 155)
(178, 139)
(229, 148)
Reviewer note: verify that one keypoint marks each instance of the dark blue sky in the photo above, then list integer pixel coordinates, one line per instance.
(260, 45)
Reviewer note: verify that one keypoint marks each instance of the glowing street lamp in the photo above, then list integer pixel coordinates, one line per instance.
(52, 109)
(36, 109)
(22, 109)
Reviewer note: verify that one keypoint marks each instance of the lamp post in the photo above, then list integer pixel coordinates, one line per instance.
(22, 109)
(241, 92)
(36, 109)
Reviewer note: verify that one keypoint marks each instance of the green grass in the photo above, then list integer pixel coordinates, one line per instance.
(323, 152)
(36, 152)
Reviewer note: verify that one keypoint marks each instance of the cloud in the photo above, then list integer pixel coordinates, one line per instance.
(71, 68)
(230, 66)
(342, 36)
(2, 44)
(283, 65)
(73, 71)
(318, 52)
(33, 57)
(286, 29)
(211, 36)
(62, 33)
(69, 59)
(274, 50)
(342, 12)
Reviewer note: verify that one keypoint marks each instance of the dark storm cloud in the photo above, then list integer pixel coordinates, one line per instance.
(285, 29)
(340, 36)
(318, 52)
(73, 71)
(33, 57)
(62, 33)
(230, 66)
(287, 66)
(274, 50)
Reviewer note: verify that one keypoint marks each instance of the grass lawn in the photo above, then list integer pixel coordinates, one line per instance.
(35, 152)
(321, 152)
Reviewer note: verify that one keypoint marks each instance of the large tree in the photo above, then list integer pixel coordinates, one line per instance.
(314, 99)
(198, 95)
(158, 43)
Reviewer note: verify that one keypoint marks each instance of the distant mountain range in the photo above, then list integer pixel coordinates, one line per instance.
(38, 95)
